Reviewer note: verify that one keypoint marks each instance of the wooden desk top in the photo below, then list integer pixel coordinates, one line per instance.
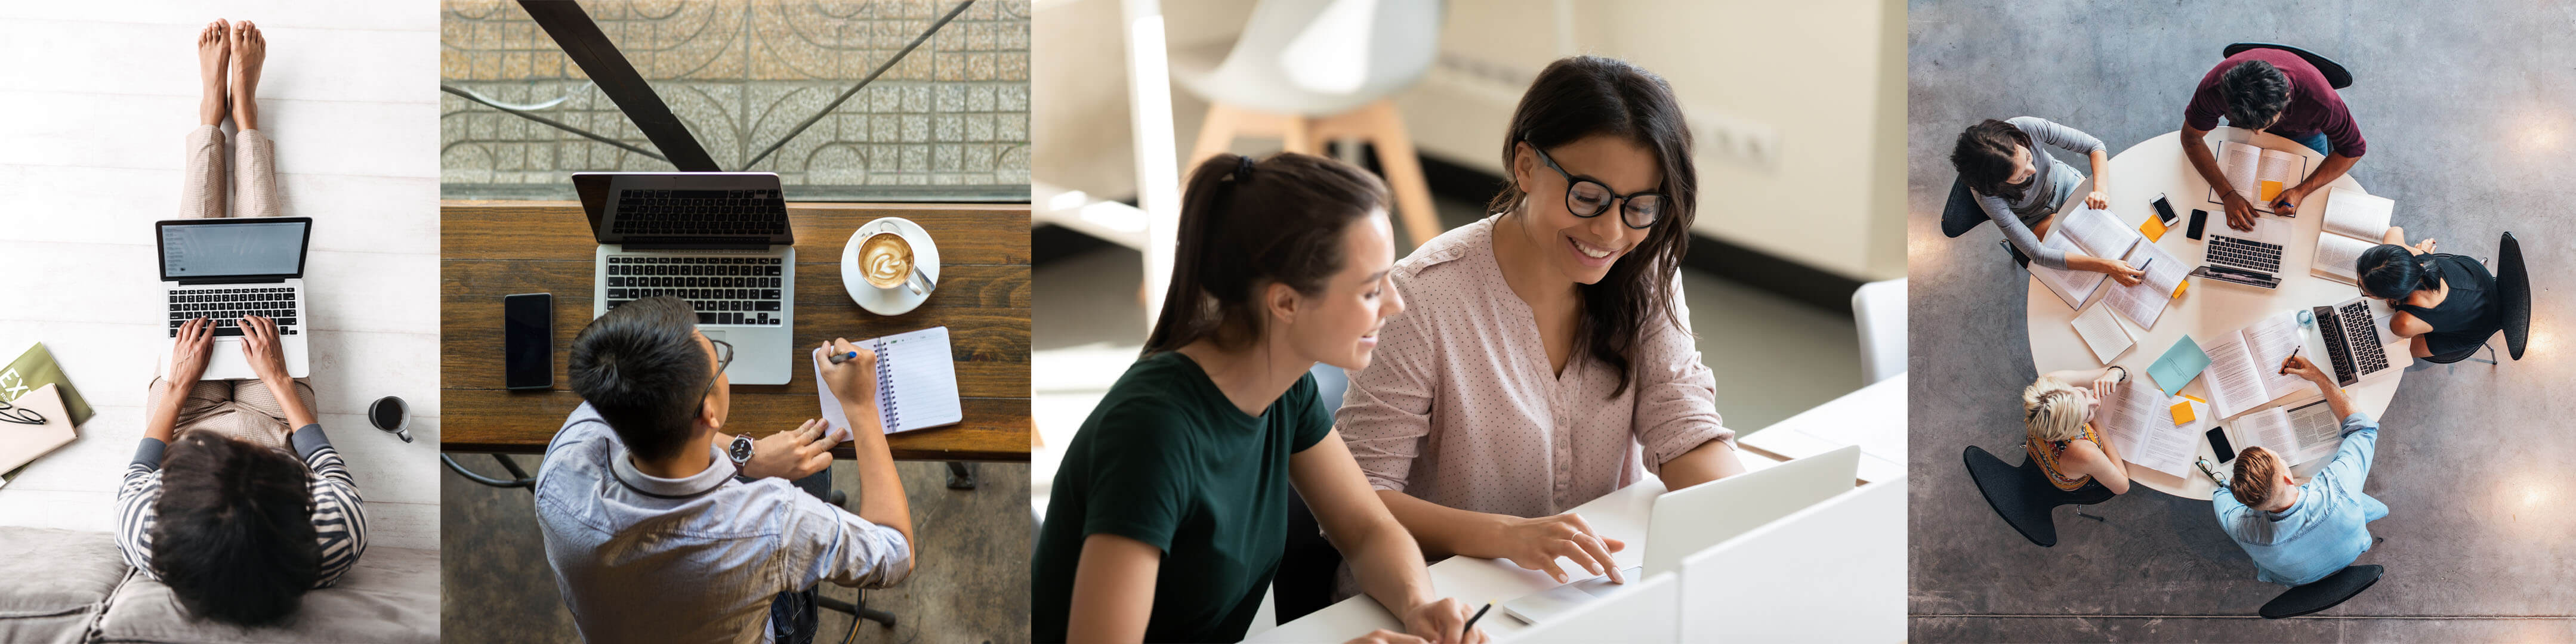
(489, 249)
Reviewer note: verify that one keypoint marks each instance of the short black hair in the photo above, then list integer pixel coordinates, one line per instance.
(234, 540)
(2255, 92)
(2390, 271)
(641, 366)
(1984, 158)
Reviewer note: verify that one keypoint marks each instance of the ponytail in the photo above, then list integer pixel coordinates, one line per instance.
(1245, 224)
(2390, 271)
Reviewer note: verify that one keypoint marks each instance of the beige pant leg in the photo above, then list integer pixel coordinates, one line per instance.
(203, 399)
(201, 187)
(261, 411)
(254, 175)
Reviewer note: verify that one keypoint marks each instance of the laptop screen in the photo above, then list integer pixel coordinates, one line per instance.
(191, 251)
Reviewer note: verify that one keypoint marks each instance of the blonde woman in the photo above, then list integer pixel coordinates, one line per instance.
(2058, 414)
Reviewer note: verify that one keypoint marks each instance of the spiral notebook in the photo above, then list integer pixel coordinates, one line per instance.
(916, 383)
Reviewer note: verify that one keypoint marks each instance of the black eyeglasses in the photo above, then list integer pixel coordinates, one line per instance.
(724, 358)
(1587, 198)
(20, 415)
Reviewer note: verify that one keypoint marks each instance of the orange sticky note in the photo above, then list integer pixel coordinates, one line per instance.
(2181, 286)
(2182, 414)
(2271, 191)
(2154, 228)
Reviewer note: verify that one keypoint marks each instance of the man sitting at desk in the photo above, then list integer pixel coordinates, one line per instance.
(2297, 533)
(660, 528)
(2275, 91)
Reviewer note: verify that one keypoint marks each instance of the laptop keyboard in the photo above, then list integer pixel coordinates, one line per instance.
(2358, 332)
(725, 290)
(2244, 254)
(226, 306)
(701, 213)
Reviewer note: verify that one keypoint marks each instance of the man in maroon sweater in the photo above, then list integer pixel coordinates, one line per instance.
(2274, 91)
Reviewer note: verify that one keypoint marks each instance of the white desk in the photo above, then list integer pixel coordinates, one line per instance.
(2208, 307)
(1872, 417)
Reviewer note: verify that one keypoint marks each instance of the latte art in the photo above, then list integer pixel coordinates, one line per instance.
(886, 259)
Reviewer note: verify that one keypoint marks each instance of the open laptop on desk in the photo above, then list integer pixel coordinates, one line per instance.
(1691, 519)
(2252, 258)
(223, 269)
(2354, 339)
(717, 239)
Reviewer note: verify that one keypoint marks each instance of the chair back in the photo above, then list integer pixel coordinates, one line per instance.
(2023, 496)
(2323, 593)
(1878, 310)
(1323, 57)
(2513, 288)
(2336, 76)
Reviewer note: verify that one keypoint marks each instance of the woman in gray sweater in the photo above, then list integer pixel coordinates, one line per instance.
(2021, 189)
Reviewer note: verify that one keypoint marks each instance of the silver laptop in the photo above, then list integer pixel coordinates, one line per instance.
(2252, 258)
(223, 269)
(1689, 520)
(2353, 338)
(717, 239)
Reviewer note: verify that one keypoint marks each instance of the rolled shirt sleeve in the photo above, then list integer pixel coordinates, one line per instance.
(1676, 402)
(839, 547)
(1386, 411)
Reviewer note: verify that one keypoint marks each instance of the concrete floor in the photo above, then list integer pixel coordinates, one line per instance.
(971, 585)
(2466, 106)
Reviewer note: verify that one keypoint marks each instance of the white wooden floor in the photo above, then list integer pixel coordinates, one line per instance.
(95, 102)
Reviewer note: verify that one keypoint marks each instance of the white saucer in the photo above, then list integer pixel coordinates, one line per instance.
(890, 301)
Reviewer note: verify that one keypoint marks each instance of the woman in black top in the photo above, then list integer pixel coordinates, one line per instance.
(2445, 302)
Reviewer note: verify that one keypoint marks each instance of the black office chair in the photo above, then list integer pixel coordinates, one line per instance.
(2023, 495)
(2336, 76)
(1960, 213)
(2513, 299)
(2321, 594)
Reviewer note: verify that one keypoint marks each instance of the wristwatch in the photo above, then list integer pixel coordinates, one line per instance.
(740, 452)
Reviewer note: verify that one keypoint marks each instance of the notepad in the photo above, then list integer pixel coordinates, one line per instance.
(2354, 223)
(2102, 333)
(2258, 174)
(2178, 365)
(916, 383)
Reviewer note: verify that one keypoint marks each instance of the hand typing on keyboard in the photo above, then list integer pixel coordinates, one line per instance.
(188, 355)
(260, 346)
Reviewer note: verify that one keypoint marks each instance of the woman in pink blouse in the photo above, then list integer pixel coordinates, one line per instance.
(1546, 357)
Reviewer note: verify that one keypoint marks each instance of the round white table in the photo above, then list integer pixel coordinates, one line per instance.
(2209, 307)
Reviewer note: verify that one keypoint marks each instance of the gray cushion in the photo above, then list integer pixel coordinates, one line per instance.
(391, 596)
(58, 582)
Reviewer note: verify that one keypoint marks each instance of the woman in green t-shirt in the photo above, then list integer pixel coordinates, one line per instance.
(1170, 510)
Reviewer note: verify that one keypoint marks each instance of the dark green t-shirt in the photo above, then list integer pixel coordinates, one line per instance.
(1167, 460)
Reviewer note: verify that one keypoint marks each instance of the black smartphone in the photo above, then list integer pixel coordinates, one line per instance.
(2164, 211)
(2198, 218)
(527, 340)
(2218, 443)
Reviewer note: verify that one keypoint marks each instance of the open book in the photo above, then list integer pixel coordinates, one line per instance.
(2354, 223)
(2084, 231)
(2145, 302)
(2298, 435)
(2258, 174)
(2138, 420)
(2245, 366)
(916, 383)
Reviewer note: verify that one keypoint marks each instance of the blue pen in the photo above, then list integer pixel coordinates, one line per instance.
(845, 356)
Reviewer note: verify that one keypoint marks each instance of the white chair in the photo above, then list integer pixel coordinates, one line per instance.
(1878, 309)
(1311, 71)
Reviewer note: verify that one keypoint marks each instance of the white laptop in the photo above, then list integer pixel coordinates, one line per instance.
(223, 269)
(717, 239)
(1692, 519)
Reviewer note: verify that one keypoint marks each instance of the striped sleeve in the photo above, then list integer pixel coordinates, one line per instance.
(339, 516)
(135, 498)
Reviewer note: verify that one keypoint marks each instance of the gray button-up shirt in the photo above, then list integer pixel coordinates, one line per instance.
(641, 558)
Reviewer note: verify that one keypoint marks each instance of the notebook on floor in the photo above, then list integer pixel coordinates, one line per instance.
(916, 383)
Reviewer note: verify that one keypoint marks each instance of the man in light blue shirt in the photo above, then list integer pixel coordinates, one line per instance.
(662, 529)
(2300, 533)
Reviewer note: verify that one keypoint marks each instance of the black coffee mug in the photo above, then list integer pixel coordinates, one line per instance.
(387, 414)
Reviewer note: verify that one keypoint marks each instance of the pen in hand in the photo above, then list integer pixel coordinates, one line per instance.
(1471, 620)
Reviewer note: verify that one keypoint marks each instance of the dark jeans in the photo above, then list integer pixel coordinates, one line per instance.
(791, 615)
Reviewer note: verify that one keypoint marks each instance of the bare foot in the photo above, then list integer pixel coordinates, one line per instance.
(249, 50)
(214, 47)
